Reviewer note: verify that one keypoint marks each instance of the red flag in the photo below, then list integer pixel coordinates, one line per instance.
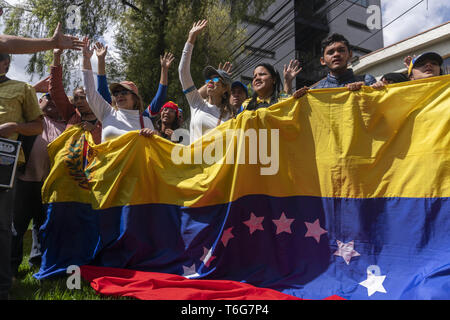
(161, 286)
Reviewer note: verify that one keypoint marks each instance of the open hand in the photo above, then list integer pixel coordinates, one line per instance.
(63, 41)
(166, 60)
(292, 70)
(87, 50)
(196, 29)
(100, 50)
(227, 67)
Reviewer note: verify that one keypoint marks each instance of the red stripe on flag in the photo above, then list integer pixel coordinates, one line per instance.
(161, 286)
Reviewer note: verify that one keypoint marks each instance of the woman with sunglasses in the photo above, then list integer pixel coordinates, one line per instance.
(125, 112)
(205, 114)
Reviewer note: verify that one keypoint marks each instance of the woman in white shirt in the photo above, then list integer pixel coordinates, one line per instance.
(125, 112)
(205, 114)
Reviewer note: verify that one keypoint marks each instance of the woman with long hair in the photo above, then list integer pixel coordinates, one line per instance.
(169, 120)
(205, 114)
(124, 114)
(267, 85)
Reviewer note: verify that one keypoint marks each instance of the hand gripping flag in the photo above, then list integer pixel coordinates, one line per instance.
(337, 193)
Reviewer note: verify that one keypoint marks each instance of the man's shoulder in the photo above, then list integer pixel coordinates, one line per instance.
(321, 84)
(15, 86)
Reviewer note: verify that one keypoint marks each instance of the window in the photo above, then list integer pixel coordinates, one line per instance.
(364, 3)
(446, 66)
(358, 25)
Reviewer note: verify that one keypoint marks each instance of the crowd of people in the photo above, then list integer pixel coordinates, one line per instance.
(111, 111)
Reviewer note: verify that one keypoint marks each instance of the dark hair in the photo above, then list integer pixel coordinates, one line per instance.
(335, 37)
(252, 105)
(5, 56)
(395, 77)
(175, 125)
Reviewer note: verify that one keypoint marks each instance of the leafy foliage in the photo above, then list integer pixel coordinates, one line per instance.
(143, 30)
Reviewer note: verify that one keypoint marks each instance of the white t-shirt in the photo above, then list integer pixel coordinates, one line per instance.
(204, 116)
(114, 122)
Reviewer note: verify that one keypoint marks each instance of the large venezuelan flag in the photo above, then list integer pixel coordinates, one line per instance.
(356, 205)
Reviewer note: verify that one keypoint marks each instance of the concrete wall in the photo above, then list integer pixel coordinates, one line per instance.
(390, 59)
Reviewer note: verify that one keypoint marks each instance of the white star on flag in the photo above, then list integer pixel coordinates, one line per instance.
(346, 251)
(373, 283)
(283, 224)
(189, 272)
(207, 257)
(314, 230)
(227, 235)
(254, 223)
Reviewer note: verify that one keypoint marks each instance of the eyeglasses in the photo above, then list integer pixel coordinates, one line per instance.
(121, 92)
(215, 80)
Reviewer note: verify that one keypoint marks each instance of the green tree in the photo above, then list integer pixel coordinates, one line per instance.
(144, 30)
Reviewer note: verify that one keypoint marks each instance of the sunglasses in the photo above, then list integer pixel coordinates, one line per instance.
(215, 80)
(121, 92)
(76, 98)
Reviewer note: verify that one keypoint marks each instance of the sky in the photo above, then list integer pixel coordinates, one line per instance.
(428, 14)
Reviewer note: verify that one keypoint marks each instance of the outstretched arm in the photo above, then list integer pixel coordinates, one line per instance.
(184, 71)
(56, 88)
(20, 45)
(98, 105)
(102, 83)
(161, 96)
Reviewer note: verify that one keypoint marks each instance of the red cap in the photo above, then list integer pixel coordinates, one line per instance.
(171, 105)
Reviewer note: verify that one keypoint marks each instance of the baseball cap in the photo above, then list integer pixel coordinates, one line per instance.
(209, 72)
(427, 55)
(126, 84)
(240, 84)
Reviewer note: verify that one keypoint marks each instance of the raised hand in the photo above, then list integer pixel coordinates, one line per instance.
(196, 29)
(166, 60)
(407, 61)
(42, 86)
(100, 50)
(63, 41)
(227, 67)
(292, 70)
(87, 50)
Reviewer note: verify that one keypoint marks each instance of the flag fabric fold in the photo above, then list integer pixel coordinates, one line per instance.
(337, 193)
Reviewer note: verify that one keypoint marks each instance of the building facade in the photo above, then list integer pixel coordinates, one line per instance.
(294, 29)
(390, 59)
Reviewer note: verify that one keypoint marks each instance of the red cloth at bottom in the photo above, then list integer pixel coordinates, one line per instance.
(161, 286)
